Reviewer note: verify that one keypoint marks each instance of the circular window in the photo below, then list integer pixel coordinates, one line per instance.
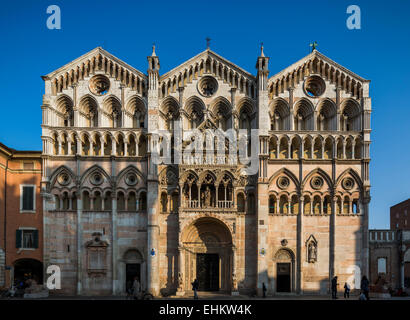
(207, 86)
(283, 182)
(316, 183)
(314, 86)
(99, 85)
(96, 179)
(131, 179)
(348, 183)
(64, 179)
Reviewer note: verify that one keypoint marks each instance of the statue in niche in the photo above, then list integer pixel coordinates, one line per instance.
(206, 197)
(312, 252)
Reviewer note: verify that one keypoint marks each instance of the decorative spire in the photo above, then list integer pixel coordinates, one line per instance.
(153, 50)
(313, 45)
(208, 42)
(262, 54)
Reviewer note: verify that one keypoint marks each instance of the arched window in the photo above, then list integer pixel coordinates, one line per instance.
(273, 148)
(307, 149)
(283, 148)
(316, 205)
(328, 149)
(350, 119)
(108, 201)
(66, 201)
(346, 205)
(97, 201)
(317, 149)
(120, 201)
(283, 204)
(107, 146)
(272, 204)
(295, 148)
(279, 115)
(355, 205)
(132, 201)
(86, 200)
(307, 204)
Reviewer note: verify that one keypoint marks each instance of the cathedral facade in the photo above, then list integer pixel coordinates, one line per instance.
(287, 206)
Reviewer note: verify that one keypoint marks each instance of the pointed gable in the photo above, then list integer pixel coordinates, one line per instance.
(93, 61)
(205, 62)
(317, 63)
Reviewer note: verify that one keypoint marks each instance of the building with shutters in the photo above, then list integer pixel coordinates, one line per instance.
(112, 213)
(21, 216)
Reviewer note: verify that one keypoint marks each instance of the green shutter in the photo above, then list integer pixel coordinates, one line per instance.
(18, 238)
(35, 239)
(28, 198)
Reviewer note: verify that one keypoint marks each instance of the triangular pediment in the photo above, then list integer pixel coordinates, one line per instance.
(215, 63)
(317, 63)
(96, 61)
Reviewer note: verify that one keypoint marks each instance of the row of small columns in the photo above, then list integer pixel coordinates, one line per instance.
(92, 143)
(302, 203)
(312, 147)
(216, 192)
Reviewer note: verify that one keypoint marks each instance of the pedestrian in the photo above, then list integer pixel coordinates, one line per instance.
(264, 289)
(364, 287)
(334, 287)
(195, 287)
(347, 290)
(136, 288)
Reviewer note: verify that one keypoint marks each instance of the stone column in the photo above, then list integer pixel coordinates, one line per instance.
(234, 287)
(299, 236)
(181, 280)
(114, 244)
(79, 244)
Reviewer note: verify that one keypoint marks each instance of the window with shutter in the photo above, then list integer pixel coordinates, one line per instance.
(18, 238)
(28, 198)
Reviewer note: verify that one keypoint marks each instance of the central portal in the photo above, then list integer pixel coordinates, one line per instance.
(206, 255)
(207, 271)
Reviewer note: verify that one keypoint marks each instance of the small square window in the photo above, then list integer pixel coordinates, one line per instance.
(28, 165)
(27, 238)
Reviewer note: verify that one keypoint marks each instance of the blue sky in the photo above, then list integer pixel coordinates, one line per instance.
(379, 51)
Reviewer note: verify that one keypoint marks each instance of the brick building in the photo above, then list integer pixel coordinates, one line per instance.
(400, 216)
(21, 218)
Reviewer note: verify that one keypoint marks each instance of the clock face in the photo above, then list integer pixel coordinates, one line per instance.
(207, 86)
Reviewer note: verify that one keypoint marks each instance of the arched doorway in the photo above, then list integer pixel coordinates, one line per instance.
(206, 247)
(133, 266)
(285, 270)
(28, 269)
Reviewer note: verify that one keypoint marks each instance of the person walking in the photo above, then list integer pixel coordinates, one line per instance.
(136, 288)
(364, 287)
(264, 289)
(195, 287)
(347, 290)
(334, 287)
